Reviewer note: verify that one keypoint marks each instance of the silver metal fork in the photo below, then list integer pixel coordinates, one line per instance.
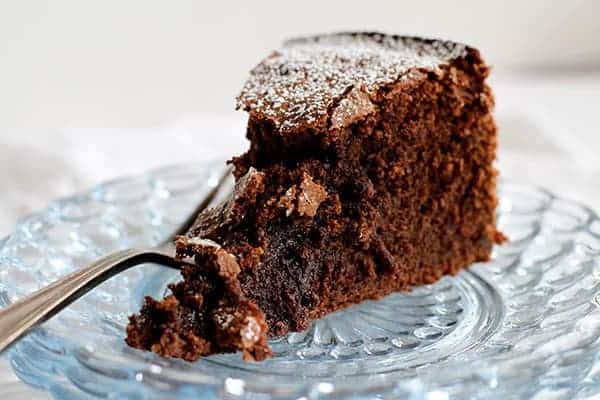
(18, 318)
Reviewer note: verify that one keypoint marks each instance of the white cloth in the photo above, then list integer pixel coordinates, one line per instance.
(548, 136)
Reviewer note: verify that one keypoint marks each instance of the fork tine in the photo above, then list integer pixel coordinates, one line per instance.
(189, 221)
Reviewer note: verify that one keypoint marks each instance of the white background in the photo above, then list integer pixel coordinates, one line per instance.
(133, 63)
(90, 90)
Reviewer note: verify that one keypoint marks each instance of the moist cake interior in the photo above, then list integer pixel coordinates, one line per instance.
(370, 171)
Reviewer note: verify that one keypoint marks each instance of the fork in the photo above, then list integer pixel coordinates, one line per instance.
(23, 315)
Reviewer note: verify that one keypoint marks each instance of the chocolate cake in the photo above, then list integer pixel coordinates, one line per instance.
(370, 170)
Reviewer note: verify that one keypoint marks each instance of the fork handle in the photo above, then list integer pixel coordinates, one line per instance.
(18, 318)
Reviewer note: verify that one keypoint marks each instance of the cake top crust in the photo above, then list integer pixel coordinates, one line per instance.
(298, 86)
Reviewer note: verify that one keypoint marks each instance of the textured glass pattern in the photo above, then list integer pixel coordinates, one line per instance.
(523, 326)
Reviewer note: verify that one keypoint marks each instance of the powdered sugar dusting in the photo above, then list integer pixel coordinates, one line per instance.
(297, 84)
(250, 332)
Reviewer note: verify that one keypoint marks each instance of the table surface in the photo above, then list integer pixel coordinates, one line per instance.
(548, 136)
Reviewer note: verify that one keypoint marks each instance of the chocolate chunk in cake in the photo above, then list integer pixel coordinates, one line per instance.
(370, 171)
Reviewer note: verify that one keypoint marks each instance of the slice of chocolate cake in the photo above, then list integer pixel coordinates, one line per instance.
(370, 171)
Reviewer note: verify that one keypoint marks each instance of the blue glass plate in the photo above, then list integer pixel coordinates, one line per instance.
(525, 325)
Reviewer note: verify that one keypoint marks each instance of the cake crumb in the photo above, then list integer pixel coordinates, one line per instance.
(311, 196)
(305, 200)
(352, 108)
